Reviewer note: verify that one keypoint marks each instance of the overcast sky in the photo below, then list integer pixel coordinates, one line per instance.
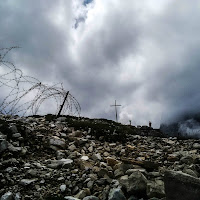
(143, 53)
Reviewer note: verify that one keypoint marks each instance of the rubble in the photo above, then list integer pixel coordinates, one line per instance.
(68, 158)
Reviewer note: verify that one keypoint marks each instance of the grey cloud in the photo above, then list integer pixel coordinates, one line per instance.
(91, 60)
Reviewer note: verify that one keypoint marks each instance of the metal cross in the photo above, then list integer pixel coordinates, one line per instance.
(116, 109)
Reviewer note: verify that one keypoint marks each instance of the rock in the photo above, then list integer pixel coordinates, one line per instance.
(196, 146)
(133, 198)
(72, 147)
(90, 184)
(90, 149)
(13, 128)
(17, 196)
(7, 196)
(187, 160)
(190, 172)
(90, 198)
(25, 182)
(85, 165)
(130, 171)
(63, 188)
(83, 193)
(16, 135)
(182, 186)
(96, 157)
(64, 163)
(136, 183)
(116, 194)
(118, 173)
(71, 198)
(13, 149)
(3, 145)
(111, 161)
(156, 189)
(84, 158)
(56, 141)
(60, 154)
(173, 157)
(61, 119)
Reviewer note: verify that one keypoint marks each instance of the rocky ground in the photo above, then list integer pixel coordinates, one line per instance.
(42, 157)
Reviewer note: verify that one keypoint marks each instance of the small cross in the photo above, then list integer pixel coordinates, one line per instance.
(116, 109)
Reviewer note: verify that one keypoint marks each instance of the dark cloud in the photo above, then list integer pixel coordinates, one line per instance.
(143, 54)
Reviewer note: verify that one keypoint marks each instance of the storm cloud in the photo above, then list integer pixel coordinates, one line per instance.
(144, 54)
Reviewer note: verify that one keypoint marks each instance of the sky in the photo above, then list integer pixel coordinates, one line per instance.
(144, 54)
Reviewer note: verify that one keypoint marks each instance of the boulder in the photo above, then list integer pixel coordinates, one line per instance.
(182, 186)
(136, 183)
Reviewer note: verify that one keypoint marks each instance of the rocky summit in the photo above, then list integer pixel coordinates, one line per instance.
(44, 157)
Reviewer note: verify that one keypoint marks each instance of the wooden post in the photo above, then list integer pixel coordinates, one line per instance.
(61, 106)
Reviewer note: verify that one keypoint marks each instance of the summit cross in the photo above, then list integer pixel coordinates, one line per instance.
(116, 109)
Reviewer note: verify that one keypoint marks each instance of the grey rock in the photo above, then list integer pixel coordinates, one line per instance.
(70, 198)
(72, 147)
(65, 163)
(60, 155)
(135, 183)
(13, 128)
(190, 172)
(75, 190)
(132, 198)
(196, 146)
(7, 196)
(187, 160)
(96, 157)
(16, 135)
(156, 189)
(57, 142)
(90, 198)
(3, 145)
(116, 194)
(90, 184)
(25, 182)
(118, 173)
(61, 119)
(83, 193)
(182, 186)
(2, 136)
(14, 149)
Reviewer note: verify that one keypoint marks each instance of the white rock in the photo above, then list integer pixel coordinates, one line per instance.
(84, 158)
(7, 196)
(63, 188)
(17, 196)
